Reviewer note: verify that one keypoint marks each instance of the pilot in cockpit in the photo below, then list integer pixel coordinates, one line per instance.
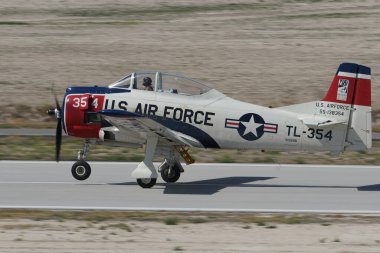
(147, 82)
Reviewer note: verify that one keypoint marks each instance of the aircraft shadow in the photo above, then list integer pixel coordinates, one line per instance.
(212, 186)
(374, 187)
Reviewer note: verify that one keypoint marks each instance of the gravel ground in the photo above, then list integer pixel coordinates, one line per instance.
(265, 52)
(146, 236)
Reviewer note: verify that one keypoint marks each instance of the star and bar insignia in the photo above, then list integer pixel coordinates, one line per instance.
(251, 126)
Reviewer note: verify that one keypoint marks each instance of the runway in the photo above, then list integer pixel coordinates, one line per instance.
(202, 187)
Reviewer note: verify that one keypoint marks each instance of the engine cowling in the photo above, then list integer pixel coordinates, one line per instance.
(80, 117)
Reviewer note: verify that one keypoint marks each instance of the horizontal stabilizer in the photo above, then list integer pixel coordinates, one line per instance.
(320, 121)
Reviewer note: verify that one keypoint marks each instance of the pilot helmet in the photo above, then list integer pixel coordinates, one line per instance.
(147, 81)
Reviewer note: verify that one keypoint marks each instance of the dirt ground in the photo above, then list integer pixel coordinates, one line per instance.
(265, 52)
(147, 236)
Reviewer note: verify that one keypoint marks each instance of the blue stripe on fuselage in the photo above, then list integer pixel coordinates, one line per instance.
(188, 129)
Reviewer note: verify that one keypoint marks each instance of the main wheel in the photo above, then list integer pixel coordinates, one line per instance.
(170, 175)
(146, 182)
(81, 170)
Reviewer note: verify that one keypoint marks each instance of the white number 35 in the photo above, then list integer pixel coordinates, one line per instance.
(80, 102)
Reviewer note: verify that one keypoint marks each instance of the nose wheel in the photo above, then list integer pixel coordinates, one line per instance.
(81, 170)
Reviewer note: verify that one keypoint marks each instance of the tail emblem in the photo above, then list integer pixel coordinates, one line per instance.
(342, 89)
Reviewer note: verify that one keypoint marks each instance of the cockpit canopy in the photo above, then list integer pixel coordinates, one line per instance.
(162, 82)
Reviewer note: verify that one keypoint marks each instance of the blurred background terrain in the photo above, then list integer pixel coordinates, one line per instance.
(272, 53)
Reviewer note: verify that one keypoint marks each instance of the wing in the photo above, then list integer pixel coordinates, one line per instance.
(134, 128)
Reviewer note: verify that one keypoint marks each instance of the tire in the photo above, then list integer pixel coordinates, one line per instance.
(174, 175)
(146, 182)
(81, 170)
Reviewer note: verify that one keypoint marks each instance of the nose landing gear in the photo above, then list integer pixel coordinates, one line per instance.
(81, 170)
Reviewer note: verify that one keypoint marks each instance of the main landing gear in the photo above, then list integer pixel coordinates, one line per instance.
(170, 171)
(171, 168)
(146, 182)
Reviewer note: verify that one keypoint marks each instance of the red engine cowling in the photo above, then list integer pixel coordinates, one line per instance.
(80, 117)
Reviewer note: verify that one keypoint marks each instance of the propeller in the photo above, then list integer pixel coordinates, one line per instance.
(58, 134)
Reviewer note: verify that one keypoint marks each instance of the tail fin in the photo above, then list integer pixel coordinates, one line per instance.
(348, 103)
(352, 85)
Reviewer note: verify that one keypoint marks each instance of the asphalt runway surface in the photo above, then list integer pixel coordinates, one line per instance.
(202, 187)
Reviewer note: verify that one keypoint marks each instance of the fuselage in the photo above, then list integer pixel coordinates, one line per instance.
(213, 119)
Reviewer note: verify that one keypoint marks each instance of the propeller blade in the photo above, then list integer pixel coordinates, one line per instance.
(58, 140)
(57, 103)
(58, 134)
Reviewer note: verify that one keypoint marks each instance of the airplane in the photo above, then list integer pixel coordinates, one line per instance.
(169, 113)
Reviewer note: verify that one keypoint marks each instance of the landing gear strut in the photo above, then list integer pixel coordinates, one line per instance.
(81, 170)
(82, 154)
(146, 173)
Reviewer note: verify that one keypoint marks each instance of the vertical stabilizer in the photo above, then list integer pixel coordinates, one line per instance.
(352, 86)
